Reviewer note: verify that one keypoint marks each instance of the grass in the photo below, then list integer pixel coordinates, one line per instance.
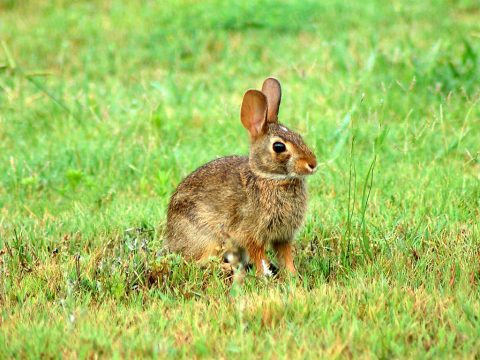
(106, 105)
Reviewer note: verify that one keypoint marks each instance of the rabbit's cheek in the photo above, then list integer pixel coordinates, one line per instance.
(283, 160)
(291, 165)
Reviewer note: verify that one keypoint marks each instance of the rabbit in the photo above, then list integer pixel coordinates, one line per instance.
(258, 201)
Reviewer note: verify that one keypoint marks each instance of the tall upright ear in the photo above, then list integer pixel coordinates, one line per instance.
(254, 113)
(273, 91)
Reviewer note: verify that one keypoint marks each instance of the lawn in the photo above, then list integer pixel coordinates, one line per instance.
(106, 105)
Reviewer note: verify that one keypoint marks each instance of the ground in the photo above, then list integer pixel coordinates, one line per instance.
(106, 105)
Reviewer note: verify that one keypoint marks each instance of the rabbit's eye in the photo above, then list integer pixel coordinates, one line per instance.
(279, 147)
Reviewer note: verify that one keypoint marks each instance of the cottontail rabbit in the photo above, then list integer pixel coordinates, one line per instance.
(258, 200)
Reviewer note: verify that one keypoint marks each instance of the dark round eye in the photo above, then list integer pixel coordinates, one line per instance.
(279, 147)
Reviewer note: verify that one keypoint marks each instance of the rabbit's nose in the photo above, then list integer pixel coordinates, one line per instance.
(312, 164)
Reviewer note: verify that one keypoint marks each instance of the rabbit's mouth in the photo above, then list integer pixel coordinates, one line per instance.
(305, 166)
(306, 170)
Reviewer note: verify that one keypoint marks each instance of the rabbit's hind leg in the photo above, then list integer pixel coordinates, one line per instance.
(193, 242)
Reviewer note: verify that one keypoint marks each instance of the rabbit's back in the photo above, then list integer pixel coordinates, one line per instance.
(204, 205)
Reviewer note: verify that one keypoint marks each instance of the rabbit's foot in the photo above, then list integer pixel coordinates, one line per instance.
(257, 255)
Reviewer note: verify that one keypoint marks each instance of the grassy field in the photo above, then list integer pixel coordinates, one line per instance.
(106, 105)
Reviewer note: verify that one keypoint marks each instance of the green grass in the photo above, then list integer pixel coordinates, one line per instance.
(106, 105)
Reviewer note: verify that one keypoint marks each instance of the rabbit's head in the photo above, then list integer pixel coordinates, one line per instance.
(276, 152)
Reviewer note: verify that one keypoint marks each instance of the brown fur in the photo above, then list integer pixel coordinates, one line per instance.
(258, 200)
(284, 254)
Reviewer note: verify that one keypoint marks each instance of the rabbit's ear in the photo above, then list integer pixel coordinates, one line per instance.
(273, 91)
(254, 112)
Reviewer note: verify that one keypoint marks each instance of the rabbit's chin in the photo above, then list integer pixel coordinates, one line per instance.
(270, 176)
